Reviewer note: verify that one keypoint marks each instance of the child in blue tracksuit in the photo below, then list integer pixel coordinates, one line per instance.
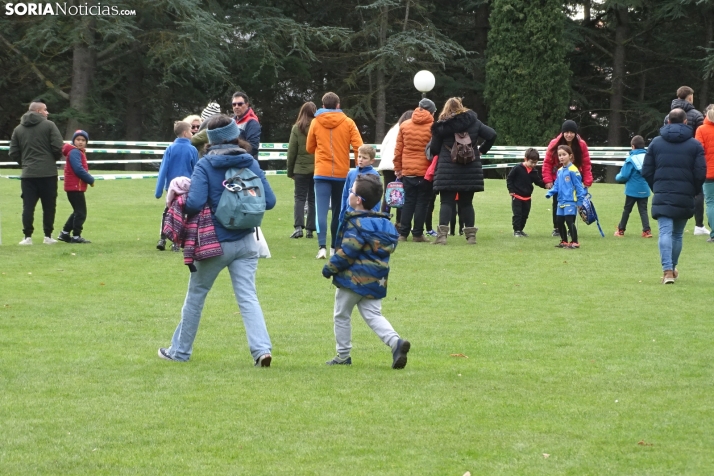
(636, 188)
(571, 193)
(365, 158)
(360, 271)
(179, 160)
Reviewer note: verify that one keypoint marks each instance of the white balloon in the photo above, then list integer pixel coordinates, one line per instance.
(424, 81)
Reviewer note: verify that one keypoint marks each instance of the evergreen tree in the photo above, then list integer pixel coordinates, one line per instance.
(527, 77)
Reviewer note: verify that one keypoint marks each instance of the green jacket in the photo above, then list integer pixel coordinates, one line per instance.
(299, 161)
(36, 145)
(199, 141)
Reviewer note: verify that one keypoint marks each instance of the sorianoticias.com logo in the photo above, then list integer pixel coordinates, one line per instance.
(62, 9)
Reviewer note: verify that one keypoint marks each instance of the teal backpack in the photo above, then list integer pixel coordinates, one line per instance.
(242, 203)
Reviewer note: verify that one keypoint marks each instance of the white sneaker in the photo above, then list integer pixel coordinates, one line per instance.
(26, 241)
(332, 252)
(322, 254)
(700, 230)
(49, 241)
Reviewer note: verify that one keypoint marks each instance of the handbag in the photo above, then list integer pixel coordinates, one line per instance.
(263, 250)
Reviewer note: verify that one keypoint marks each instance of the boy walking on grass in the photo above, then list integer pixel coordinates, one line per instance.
(360, 268)
(636, 188)
(520, 182)
(179, 160)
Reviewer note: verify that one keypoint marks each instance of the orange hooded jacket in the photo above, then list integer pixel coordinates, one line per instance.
(414, 134)
(329, 138)
(705, 135)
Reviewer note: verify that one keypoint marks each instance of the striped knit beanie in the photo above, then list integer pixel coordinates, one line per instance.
(211, 110)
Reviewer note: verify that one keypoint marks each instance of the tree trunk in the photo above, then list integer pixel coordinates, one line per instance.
(482, 25)
(618, 77)
(708, 15)
(133, 117)
(586, 12)
(83, 66)
(381, 112)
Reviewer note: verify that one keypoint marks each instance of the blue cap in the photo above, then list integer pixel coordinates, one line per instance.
(80, 132)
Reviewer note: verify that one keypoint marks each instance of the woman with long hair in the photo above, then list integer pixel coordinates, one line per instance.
(581, 159)
(301, 168)
(453, 178)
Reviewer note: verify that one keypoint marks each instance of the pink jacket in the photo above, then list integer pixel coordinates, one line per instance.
(551, 164)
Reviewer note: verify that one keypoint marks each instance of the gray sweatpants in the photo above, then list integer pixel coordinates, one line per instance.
(371, 311)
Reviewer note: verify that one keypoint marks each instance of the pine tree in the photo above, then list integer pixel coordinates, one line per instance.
(527, 77)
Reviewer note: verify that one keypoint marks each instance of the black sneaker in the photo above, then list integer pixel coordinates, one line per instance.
(523, 234)
(161, 244)
(79, 239)
(175, 247)
(338, 361)
(297, 233)
(264, 360)
(517, 234)
(309, 234)
(164, 354)
(399, 356)
(555, 233)
(64, 236)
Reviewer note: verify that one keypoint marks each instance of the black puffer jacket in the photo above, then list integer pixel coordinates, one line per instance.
(455, 177)
(694, 117)
(675, 169)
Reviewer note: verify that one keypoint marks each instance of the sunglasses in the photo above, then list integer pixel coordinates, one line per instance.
(195, 127)
(238, 103)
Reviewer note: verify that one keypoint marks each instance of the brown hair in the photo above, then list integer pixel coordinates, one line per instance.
(405, 116)
(684, 92)
(677, 116)
(569, 152)
(452, 107)
(638, 142)
(330, 100)
(180, 127)
(367, 150)
(305, 116)
(369, 189)
(241, 94)
(531, 154)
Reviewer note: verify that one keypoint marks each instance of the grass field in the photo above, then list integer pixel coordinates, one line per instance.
(578, 361)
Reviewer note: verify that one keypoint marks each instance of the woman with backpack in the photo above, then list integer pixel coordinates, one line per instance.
(239, 246)
(301, 168)
(581, 159)
(459, 171)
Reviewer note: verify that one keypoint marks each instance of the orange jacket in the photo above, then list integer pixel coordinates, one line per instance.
(414, 135)
(705, 135)
(329, 138)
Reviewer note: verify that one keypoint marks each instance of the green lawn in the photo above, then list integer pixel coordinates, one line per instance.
(580, 355)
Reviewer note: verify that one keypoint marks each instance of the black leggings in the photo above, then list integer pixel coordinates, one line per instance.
(570, 221)
(448, 207)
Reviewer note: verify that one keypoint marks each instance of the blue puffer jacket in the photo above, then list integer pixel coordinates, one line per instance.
(631, 175)
(361, 263)
(675, 170)
(207, 184)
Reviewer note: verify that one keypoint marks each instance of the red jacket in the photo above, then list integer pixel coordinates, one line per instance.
(72, 183)
(705, 135)
(551, 164)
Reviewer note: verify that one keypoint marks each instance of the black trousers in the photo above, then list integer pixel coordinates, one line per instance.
(555, 211)
(304, 191)
(570, 221)
(521, 210)
(417, 193)
(428, 224)
(641, 207)
(699, 209)
(448, 207)
(43, 189)
(388, 176)
(76, 220)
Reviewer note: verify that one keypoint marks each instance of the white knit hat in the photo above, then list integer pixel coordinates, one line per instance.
(212, 109)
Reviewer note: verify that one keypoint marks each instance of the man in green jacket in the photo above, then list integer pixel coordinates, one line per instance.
(36, 145)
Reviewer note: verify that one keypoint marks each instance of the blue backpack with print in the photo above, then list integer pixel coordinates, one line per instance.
(588, 214)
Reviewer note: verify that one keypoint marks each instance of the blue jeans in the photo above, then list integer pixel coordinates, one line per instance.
(670, 240)
(327, 191)
(709, 201)
(241, 259)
